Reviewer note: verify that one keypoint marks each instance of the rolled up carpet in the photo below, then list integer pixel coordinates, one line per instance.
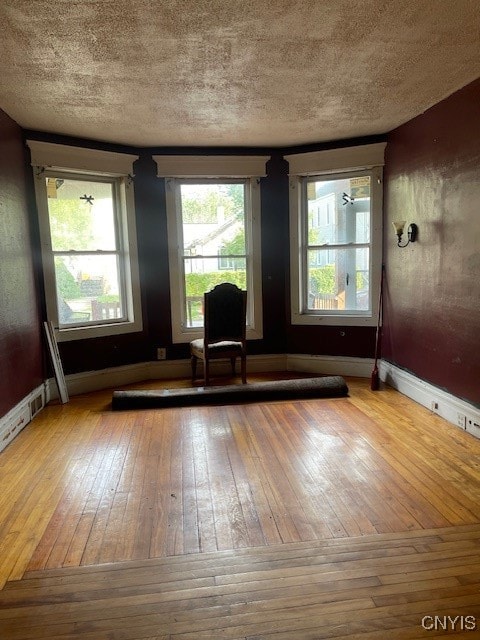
(321, 387)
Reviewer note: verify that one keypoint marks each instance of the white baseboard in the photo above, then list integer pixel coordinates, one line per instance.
(182, 368)
(17, 418)
(88, 381)
(330, 365)
(457, 411)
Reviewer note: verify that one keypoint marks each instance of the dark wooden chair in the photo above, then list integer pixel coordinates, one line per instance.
(225, 308)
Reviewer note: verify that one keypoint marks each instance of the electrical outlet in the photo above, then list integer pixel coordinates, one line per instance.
(472, 422)
(434, 406)
(462, 420)
(161, 353)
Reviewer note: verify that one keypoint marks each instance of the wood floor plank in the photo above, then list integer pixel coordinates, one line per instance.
(297, 552)
(195, 492)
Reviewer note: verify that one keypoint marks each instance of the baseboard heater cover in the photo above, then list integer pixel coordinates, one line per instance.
(322, 387)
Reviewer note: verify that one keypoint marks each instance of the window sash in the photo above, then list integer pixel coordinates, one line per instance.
(118, 252)
(337, 248)
(343, 304)
(121, 315)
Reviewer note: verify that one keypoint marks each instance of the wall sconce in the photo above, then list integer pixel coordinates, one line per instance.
(411, 233)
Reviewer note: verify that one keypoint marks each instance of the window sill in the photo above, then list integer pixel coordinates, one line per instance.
(98, 331)
(337, 320)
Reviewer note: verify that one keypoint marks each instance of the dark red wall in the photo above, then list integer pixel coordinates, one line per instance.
(20, 328)
(432, 307)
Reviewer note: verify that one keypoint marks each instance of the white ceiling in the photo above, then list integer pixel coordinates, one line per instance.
(231, 72)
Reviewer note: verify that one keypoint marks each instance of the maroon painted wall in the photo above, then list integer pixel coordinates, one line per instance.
(21, 355)
(432, 306)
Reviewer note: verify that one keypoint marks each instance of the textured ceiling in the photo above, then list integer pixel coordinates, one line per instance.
(231, 72)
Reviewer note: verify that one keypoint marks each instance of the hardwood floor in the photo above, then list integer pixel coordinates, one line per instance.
(308, 519)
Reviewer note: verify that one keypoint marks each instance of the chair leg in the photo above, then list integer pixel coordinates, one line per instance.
(232, 363)
(206, 364)
(193, 360)
(244, 369)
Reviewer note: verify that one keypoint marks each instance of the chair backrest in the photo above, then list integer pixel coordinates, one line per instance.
(225, 309)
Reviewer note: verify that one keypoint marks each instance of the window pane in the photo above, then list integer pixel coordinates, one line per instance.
(88, 289)
(213, 224)
(213, 218)
(338, 279)
(201, 275)
(338, 211)
(81, 215)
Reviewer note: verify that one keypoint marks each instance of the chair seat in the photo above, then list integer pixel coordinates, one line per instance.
(224, 345)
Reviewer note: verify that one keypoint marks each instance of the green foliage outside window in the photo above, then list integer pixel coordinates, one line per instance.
(235, 246)
(67, 287)
(198, 283)
(70, 224)
(322, 279)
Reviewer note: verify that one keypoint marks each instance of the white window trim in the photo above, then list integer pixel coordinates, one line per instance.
(210, 168)
(67, 158)
(337, 160)
(47, 156)
(335, 163)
